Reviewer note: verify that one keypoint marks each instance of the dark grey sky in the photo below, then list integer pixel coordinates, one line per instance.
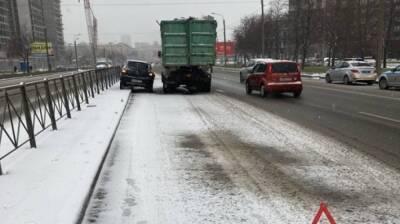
(138, 17)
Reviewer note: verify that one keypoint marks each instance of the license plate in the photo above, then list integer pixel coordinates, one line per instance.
(366, 72)
(136, 81)
(285, 79)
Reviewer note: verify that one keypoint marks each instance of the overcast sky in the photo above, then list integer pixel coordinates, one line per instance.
(138, 17)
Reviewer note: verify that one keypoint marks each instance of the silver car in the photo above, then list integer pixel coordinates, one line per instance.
(390, 78)
(350, 72)
(248, 68)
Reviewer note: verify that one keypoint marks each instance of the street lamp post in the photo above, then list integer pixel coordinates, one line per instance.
(76, 56)
(225, 44)
(76, 51)
(262, 30)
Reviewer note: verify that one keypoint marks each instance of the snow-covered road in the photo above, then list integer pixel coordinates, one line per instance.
(209, 158)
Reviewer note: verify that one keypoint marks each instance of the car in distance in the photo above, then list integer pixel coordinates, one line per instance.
(350, 72)
(245, 70)
(275, 77)
(390, 78)
(102, 65)
(137, 74)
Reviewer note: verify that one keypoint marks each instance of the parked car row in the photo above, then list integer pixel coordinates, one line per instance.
(278, 76)
(350, 72)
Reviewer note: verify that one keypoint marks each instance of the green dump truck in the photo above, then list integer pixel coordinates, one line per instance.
(188, 53)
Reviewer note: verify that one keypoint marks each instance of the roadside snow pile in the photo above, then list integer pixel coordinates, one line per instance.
(314, 75)
(50, 184)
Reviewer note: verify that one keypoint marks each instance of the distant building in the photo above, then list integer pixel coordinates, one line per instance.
(146, 51)
(31, 21)
(53, 21)
(8, 24)
(126, 39)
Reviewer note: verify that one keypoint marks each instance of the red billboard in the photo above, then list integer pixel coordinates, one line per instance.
(230, 48)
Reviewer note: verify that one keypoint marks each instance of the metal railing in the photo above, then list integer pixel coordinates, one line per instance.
(27, 109)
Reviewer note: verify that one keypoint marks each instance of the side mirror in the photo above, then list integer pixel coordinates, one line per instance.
(159, 53)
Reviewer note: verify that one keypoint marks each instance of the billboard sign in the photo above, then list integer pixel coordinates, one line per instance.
(230, 48)
(39, 48)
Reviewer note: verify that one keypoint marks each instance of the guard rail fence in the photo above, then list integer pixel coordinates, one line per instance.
(27, 109)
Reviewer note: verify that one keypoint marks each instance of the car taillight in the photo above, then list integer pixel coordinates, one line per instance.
(124, 71)
(355, 71)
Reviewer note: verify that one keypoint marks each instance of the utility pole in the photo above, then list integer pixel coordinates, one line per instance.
(225, 53)
(225, 43)
(47, 50)
(262, 30)
(380, 36)
(76, 56)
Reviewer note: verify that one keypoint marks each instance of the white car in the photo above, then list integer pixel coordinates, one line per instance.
(350, 72)
(248, 68)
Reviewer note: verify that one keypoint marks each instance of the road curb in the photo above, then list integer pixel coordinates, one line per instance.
(89, 194)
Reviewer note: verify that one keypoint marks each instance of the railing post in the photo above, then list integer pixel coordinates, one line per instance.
(102, 80)
(28, 117)
(114, 75)
(85, 88)
(118, 74)
(65, 96)
(107, 78)
(50, 105)
(96, 73)
(76, 92)
(90, 73)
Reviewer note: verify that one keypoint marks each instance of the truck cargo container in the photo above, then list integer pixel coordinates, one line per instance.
(188, 53)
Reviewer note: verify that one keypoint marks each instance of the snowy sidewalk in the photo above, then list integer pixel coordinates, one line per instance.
(50, 184)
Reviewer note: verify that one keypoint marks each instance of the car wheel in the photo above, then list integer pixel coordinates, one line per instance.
(383, 84)
(296, 94)
(346, 80)
(328, 79)
(248, 89)
(149, 88)
(263, 91)
(207, 87)
(165, 88)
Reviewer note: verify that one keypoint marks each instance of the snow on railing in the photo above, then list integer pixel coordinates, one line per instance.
(28, 109)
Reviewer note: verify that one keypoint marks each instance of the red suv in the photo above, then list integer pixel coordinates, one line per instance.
(275, 77)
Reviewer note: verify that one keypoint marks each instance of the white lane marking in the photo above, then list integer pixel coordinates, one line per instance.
(356, 93)
(380, 117)
(220, 91)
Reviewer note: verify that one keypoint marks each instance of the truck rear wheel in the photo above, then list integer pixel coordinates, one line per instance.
(168, 88)
(206, 87)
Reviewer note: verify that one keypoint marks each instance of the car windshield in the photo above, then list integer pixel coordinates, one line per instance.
(360, 64)
(284, 67)
(138, 66)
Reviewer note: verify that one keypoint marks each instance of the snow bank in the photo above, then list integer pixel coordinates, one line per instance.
(49, 184)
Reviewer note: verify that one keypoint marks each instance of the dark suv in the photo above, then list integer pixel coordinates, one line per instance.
(137, 73)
